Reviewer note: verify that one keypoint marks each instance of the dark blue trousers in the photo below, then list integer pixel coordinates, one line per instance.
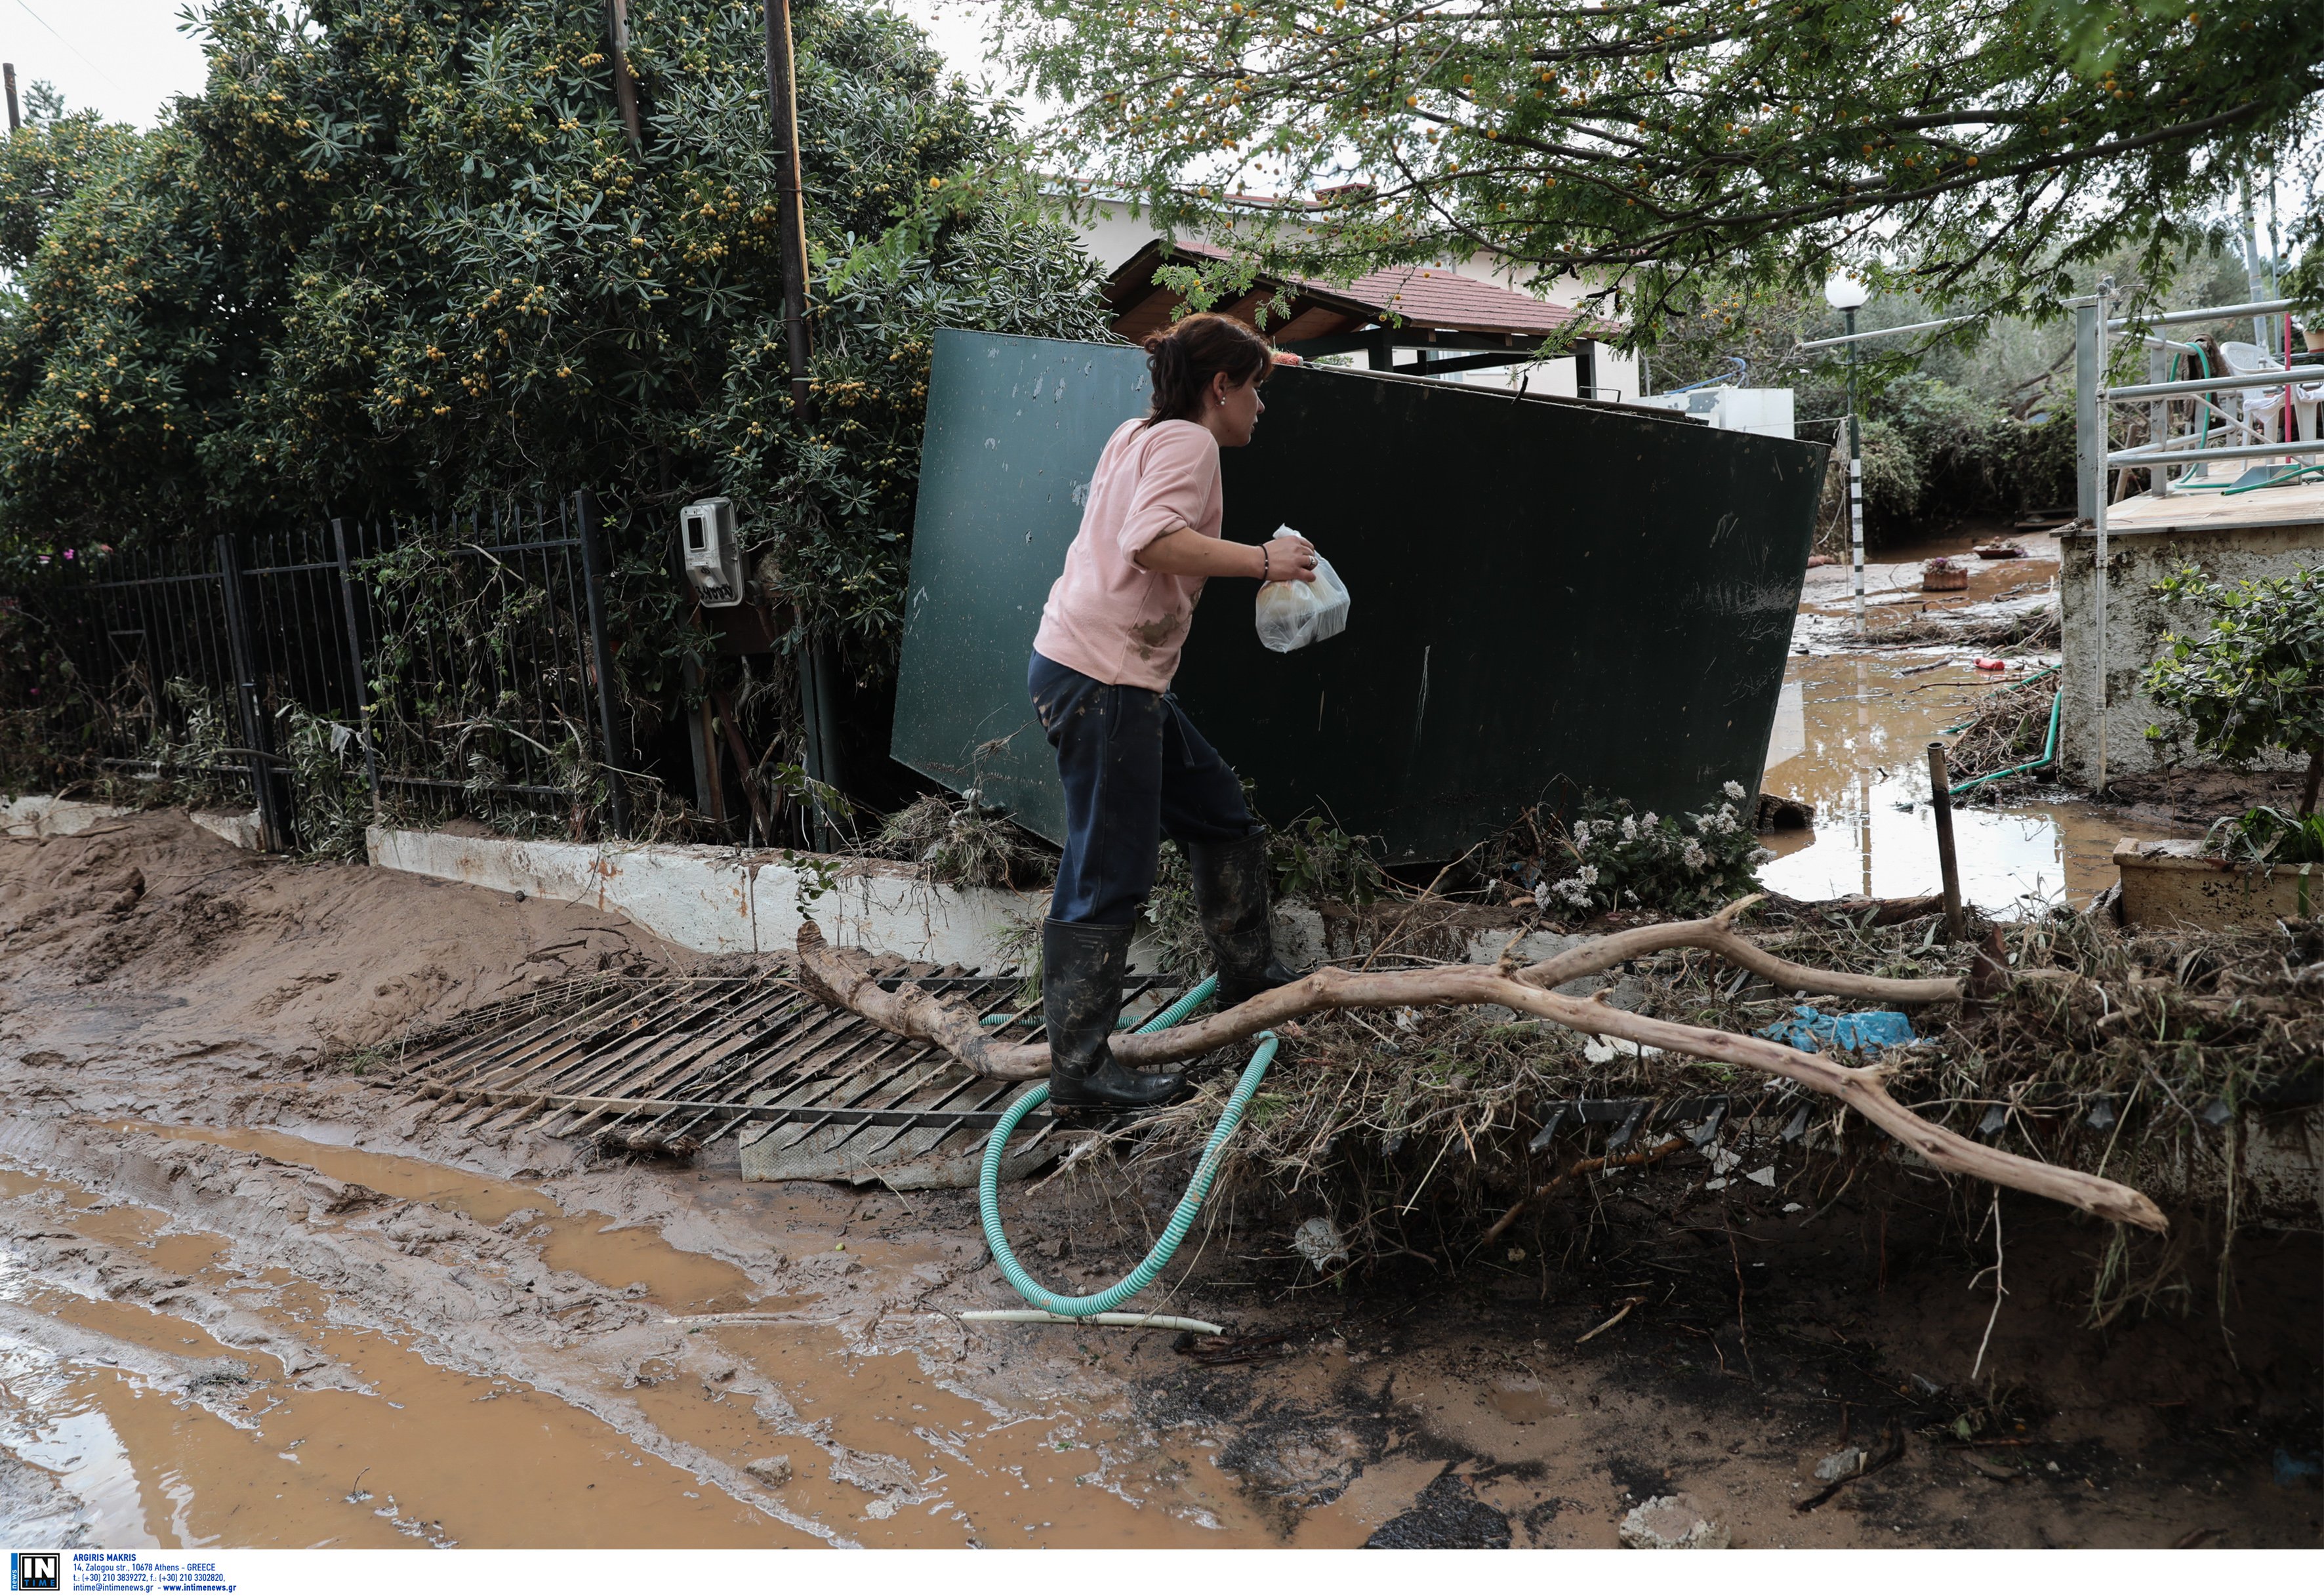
(1134, 769)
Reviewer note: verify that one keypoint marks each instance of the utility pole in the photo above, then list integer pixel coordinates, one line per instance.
(626, 88)
(8, 70)
(1854, 481)
(2251, 268)
(2099, 521)
(817, 663)
(782, 114)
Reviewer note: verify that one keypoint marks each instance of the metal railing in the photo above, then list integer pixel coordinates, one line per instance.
(2182, 414)
(464, 659)
(2171, 403)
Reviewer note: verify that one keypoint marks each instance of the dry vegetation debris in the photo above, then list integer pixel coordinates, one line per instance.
(1416, 1129)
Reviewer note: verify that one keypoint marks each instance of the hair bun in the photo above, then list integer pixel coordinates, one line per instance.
(1182, 359)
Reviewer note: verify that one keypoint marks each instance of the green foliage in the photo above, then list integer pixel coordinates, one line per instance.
(2267, 836)
(42, 166)
(1312, 858)
(2251, 682)
(331, 799)
(1975, 148)
(400, 258)
(1673, 864)
(1952, 452)
(1892, 483)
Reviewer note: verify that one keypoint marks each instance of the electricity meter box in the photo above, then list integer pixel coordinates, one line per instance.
(713, 559)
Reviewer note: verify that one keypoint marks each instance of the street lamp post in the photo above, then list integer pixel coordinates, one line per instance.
(1845, 293)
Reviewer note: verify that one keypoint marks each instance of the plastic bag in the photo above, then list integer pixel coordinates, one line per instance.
(1293, 614)
(1811, 1030)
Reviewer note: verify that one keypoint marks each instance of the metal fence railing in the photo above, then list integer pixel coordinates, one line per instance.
(325, 674)
(2268, 439)
(2185, 415)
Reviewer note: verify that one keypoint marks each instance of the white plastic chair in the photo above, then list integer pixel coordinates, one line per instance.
(2306, 397)
(2263, 407)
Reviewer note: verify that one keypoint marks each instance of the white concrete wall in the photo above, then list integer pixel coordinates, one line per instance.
(38, 815)
(2136, 622)
(725, 900)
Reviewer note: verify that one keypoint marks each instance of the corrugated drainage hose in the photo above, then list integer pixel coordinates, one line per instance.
(988, 1185)
(2049, 746)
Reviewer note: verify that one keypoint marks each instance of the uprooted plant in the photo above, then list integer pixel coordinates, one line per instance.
(845, 979)
(959, 842)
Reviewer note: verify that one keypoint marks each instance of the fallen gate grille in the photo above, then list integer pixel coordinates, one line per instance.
(672, 1064)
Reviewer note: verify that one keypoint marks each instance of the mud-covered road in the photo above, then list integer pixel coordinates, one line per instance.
(252, 1295)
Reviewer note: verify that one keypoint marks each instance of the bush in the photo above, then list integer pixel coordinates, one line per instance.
(401, 259)
(2251, 683)
(1932, 450)
(1675, 864)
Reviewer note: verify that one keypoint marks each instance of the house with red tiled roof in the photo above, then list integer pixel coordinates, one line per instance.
(1451, 320)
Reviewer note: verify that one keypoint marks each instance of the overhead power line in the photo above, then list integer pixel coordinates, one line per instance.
(24, 7)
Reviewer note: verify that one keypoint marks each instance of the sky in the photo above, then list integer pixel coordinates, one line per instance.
(127, 58)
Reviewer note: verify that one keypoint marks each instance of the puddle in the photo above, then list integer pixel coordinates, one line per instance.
(895, 1452)
(424, 1455)
(1520, 1402)
(1865, 727)
(584, 1243)
(1893, 593)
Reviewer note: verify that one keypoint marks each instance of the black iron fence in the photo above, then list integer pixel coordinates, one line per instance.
(332, 674)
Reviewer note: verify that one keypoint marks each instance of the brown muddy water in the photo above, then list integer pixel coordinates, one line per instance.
(1865, 722)
(181, 1391)
(1852, 739)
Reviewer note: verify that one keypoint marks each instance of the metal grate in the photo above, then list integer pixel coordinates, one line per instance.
(672, 1064)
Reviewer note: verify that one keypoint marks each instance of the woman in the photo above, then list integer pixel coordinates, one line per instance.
(1133, 766)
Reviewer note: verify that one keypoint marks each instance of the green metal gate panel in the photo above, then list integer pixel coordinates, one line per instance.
(1545, 592)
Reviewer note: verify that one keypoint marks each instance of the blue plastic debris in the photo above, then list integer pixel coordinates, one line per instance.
(2291, 1470)
(1811, 1030)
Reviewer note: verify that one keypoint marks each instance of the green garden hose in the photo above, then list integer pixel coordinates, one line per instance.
(988, 1184)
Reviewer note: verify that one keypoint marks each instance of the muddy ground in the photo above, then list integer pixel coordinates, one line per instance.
(252, 1293)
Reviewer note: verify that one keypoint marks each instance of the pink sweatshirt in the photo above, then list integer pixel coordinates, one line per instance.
(1106, 618)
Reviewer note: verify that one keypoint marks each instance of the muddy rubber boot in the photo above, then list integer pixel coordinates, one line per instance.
(1230, 882)
(1081, 969)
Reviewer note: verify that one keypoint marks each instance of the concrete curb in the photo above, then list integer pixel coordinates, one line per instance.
(728, 900)
(38, 815)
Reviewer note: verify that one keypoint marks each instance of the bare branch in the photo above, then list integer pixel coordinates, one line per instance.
(843, 977)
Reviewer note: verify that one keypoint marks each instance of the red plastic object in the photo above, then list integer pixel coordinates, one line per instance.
(1992, 664)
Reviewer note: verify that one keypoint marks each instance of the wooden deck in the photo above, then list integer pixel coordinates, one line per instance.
(2300, 503)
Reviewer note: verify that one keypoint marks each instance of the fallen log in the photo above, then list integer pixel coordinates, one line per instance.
(845, 979)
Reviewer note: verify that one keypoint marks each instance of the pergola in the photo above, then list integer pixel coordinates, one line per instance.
(1456, 323)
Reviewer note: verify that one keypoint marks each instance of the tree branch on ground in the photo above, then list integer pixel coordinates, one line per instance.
(845, 979)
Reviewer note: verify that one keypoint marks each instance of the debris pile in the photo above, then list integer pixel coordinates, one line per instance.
(2010, 728)
(2147, 1058)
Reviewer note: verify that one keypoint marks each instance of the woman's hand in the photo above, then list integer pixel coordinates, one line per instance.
(1287, 559)
(1187, 553)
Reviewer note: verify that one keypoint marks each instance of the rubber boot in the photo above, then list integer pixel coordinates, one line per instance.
(1081, 969)
(1230, 882)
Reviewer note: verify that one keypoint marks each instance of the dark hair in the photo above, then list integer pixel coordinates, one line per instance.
(1184, 359)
